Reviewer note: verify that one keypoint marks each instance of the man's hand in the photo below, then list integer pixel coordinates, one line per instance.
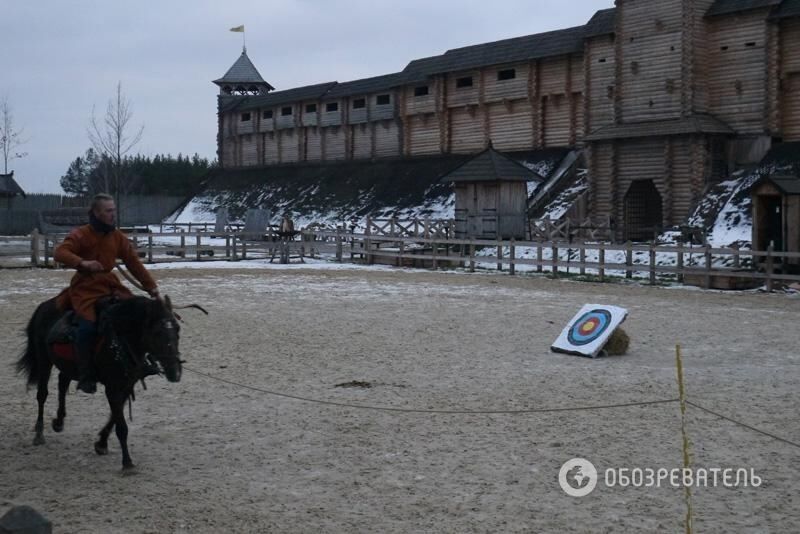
(154, 293)
(92, 266)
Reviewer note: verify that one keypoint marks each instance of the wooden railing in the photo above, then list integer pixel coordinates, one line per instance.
(555, 257)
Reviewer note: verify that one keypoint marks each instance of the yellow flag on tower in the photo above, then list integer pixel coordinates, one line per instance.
(238, 28)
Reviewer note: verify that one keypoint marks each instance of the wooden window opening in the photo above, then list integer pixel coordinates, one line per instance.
(383, 100)
(421, 90)
(359, 103)
(267, 114)
(245, 117)
(311, 108)
(286, 111)
(506, 74)
(466, 81)
(331, 106)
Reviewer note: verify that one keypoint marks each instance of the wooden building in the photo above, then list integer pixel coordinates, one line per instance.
(776, 216)
(491, 193)
(9, 188)
(664, 98)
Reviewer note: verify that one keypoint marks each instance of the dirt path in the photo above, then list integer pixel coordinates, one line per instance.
(217, 457)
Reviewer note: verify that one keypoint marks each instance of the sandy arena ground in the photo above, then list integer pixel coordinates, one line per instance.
(217, 457)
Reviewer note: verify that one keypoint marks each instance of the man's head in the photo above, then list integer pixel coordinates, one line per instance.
(104, 208)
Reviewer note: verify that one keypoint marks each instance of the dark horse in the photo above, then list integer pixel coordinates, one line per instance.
(135, 336)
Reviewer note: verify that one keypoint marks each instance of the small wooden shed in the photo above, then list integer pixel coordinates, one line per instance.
(776, 215)
(491, 196)
(9, 189)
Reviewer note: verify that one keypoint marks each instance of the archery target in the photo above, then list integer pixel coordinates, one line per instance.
(589, 330)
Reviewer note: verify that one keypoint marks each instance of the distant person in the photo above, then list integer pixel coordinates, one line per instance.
(287, 225)
(93, 250)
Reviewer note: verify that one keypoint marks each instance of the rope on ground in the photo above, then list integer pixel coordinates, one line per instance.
(754, 429)
(433, 411)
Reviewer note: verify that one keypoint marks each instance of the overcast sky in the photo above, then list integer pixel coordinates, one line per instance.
(59, 59)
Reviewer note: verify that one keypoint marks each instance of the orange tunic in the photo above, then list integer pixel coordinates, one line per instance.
(85, 243)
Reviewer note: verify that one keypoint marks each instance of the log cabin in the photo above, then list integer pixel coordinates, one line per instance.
(662, 98)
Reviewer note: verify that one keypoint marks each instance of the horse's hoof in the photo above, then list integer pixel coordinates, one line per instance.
(100, 449)
(58, 426)
(128, 469)
(38, 440)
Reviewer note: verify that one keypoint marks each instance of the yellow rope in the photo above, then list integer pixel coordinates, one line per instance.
(687, 461)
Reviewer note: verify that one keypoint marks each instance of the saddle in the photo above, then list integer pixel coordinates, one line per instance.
(62, 336)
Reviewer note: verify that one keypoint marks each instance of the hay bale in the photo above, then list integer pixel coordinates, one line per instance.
(24, 520)
(618, 343)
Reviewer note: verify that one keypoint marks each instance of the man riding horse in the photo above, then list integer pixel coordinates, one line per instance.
(92, 250)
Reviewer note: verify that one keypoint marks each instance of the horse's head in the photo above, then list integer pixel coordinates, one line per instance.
(161, 337)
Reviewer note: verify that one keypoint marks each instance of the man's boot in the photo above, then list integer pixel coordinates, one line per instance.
(87, 331)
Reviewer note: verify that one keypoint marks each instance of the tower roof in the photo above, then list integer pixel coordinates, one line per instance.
(243, 72)
(490, 166)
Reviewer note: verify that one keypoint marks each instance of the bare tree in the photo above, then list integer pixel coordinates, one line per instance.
(10, 138)
(113, 137)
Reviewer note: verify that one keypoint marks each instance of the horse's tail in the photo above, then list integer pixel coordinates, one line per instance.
(28, 363)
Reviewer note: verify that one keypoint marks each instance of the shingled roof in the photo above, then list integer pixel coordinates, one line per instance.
(242, 72)
(9, 187)
(289, 96)
(687, 125)
(365, 86)
(491, 166)
(788, 8)
(786, 183)
(602, 23)
(725, 7)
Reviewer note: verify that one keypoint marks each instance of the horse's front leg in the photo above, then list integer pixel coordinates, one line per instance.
(41, 398)
(116, 402)
(63, 386)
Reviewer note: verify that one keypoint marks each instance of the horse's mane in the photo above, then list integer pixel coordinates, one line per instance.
(128, 317)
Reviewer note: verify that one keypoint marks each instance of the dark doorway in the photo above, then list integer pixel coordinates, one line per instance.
(642, 211)
(771, 228)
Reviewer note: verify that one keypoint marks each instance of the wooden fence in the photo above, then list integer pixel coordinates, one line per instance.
(693, 264)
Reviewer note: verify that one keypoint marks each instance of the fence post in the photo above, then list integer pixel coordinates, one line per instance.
(233, 243)
(227, 246)
(399, 262)
(35, 247)
(707, 255)
(244, 249)
(499, 258)
(538, 256)
(472, 257)
(183, 244)
(652, 264)
(736, 263)
(680, 262)
(511, 250)
(582, 257)
(628, 259)
(602, 262)
(338, 244)
(434, 262)
(770, 266)
(46, 250)
(554, 257)
(149, 248)
(198, 247)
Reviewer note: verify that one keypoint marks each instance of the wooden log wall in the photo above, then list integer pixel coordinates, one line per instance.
(602, 172)
(736, 81)
(650, 60)
(666, 61)
(790, 79)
